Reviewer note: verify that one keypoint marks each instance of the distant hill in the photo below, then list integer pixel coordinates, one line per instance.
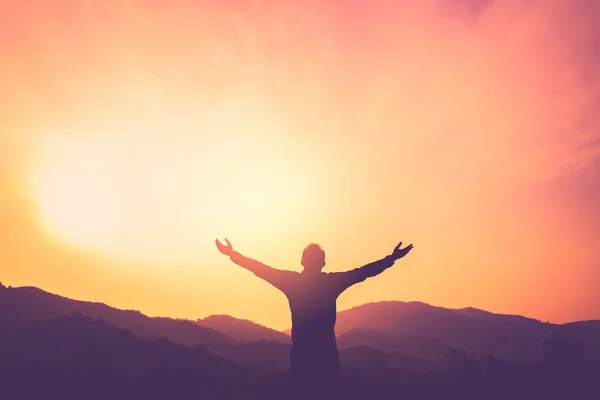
(25, 305)
(96, 346)
(414, 330)
(242, 330)
(593, 325)
(78, 357)
(425, 331)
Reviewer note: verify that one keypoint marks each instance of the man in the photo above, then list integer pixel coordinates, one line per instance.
(312, 295)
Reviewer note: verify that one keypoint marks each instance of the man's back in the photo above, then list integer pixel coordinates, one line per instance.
(314, 359)
(312, 297)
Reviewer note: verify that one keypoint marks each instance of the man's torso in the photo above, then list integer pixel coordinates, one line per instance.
(312, 300)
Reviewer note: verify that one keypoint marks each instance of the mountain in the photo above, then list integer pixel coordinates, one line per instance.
(26, 305)
(424, 331)
(592, 325)
(78, 357)
(267, 348)
(242, 330)
(415, 330)
(95, 345)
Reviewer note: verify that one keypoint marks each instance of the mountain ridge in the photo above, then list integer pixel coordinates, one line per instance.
(591, 322)
(479, 332)
(242, 330)
(413, 329)
(28, 304)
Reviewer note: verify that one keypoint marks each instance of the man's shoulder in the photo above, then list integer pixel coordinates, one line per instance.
(288, 272)
(334, 275)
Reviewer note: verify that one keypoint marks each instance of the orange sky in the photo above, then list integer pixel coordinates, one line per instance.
(133, 133)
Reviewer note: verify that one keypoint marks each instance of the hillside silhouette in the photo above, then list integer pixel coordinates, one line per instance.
(80, 357)
(242, 330)
(24, 305)
(54, 347)
(413, 329)
(425, 331)
(95, 345)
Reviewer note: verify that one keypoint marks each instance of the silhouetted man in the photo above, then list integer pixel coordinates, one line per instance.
(312, 295)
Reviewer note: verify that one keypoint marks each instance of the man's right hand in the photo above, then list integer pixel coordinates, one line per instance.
(227, 250)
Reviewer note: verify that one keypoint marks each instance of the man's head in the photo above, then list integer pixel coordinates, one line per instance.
(313, 258)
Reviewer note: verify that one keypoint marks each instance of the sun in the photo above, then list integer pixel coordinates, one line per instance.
(79, 191)
(155, 193)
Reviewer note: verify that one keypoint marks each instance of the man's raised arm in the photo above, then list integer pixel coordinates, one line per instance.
(357, 275)
(275, 277)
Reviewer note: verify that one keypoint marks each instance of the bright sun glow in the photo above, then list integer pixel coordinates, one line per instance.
(149, 196)
(79, 193)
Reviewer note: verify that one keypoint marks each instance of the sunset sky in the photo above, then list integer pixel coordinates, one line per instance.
(135, 132)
